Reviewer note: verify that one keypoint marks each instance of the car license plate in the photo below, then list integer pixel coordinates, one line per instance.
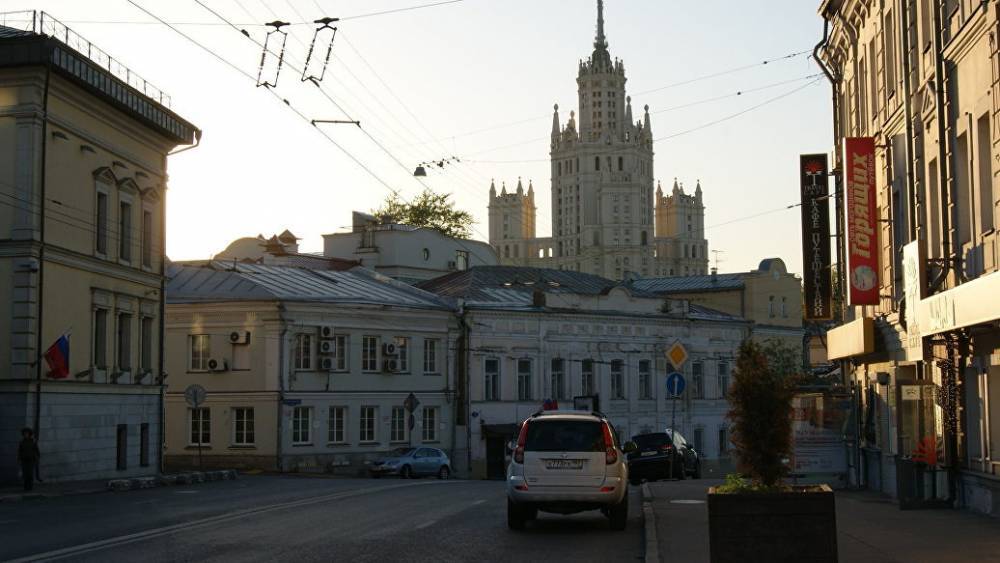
(564, 464)
(644, 454)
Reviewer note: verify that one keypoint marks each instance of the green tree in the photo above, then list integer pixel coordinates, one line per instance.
(760, 400)
(429, 209)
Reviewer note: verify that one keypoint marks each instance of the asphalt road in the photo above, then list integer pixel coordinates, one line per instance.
(272, 518)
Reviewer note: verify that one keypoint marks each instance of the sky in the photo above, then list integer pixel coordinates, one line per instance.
(474, 79)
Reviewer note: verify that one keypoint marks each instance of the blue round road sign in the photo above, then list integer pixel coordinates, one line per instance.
(675, 384)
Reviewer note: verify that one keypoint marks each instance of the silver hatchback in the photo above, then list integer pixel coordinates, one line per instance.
(566, 462)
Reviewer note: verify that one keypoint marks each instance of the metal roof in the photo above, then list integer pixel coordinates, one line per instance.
(682, 284)
(226, 281)
(499, 283)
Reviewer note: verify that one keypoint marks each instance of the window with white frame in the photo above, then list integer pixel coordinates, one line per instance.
(430, 418)
(587, 378)
(199, 352)
(645, 380)
(301, 425)
(491, 379)
(723, 441)
(336, 430)
(146, 344)
(101, 219)
(303, 351)
(723, 379)
(558, 378)
(403, 350)
(397, 425)
(699, 440)
(617, 379)
(524, 379)
(341, 353)
(200, 426)
(431, 355)
(124, 342)
(99, 355)
(366, 430)
(369, 353)
(243, 431)
(147, 238)
(697, 380)
(125, 230)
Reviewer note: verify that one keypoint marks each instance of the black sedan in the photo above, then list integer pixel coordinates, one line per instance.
(659, 457)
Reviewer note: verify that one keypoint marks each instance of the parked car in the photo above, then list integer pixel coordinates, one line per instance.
(566, 462)
(657, 456)
(412, 462)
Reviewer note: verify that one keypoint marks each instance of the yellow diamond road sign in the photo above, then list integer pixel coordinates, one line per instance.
(677, 355)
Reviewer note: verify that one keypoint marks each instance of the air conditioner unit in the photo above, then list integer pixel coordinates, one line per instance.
(326, 331)
(326, 347)
(217, 364)
(390, 349)
(391, 365)
(326, 364)
(239, 337)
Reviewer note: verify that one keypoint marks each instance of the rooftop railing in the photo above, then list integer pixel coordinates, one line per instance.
(41, 23)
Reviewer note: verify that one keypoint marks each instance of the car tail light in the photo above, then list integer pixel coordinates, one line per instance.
(666, 447)
(610, 453)
(607, 489)
(521, 439)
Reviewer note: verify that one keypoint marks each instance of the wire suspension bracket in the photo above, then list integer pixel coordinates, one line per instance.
(272, 81)
(325, 33)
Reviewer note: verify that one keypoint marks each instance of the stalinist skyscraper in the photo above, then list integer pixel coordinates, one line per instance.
(609, 216)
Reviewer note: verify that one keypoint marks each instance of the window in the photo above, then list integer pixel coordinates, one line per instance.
(303, 351)
(144, 444)
(335, 431)
(985, 162)
(784, 307)
(963, 204)
(147, 239)
(621, 164)
(200, 424)
(699, 440)
(491, 379)
(146, 344)
(101, 241)
(124, 342)
(697, 380)
(369, 353)
(340, 352)
(125, 231)
(397, 427)
(723, 441)
(403, 350)
(243, 426)
(597, 163)
(645, 380)
(122, 446)
(301, 425)
(524, 379)
(199, 352)
(430, 418)
(99, 356)
(770, 306)
(367, 429)
(889, 36)
(430, 356)
(558, 378)
(587, 378)
(723, 379)
(617, 379)
(461, 260)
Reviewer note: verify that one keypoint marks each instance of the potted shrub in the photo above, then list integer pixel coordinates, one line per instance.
(756, 516)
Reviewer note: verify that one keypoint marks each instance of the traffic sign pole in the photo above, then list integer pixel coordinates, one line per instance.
(675, 386)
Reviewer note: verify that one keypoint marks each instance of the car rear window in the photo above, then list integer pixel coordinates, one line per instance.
(564, 436)
(651, 440)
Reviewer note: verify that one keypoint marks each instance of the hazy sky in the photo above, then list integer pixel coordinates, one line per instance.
(454, 70)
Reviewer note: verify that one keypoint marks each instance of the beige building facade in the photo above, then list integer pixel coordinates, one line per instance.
(922, 79)
(82, 201)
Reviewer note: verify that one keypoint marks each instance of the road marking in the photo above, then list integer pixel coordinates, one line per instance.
(239, 514)
(685, 501)
(427, 524)
(185, 492)
(480, 501)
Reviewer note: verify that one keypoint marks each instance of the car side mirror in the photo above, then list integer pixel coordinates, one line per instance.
(630, 447)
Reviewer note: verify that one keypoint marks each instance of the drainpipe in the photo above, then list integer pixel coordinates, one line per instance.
(281, 385)
(41, 256)
(163, 323)
(464, 362)
(911, 152)
(947, 219)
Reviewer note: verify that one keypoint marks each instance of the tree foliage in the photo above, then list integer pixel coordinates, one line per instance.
(429, 209)
(760, 401)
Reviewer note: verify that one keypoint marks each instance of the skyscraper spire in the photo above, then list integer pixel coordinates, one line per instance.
(601, 42)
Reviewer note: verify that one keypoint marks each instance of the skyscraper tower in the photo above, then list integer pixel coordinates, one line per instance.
(602, 188)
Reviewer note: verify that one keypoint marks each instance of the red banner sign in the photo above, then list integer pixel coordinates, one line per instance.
(862, 220)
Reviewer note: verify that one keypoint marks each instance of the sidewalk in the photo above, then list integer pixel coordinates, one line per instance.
(48, 489)
(56, 489)
(870, 528)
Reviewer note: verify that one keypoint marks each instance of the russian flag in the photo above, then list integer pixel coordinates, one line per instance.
(57, 356)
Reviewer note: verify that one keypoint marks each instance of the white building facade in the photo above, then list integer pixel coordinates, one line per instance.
(607, 219)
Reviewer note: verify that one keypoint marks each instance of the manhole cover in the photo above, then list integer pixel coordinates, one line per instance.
(683, 501)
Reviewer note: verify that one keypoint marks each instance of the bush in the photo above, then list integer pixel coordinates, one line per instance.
(760, 400)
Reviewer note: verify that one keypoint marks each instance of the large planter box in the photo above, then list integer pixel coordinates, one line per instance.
(799, 525)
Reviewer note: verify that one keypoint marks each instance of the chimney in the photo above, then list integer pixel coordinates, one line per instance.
(715, 277)
(537, 297)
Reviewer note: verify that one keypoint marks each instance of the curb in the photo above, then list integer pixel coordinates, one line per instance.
(118, 485)
(649, 524)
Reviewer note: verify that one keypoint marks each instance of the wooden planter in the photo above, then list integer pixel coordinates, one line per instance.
(799, 525)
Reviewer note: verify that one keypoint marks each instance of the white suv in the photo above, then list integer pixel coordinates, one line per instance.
(566, 462)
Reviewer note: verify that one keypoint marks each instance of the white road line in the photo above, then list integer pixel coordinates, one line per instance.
(239, 514)
(426, 524)
(480, 501)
